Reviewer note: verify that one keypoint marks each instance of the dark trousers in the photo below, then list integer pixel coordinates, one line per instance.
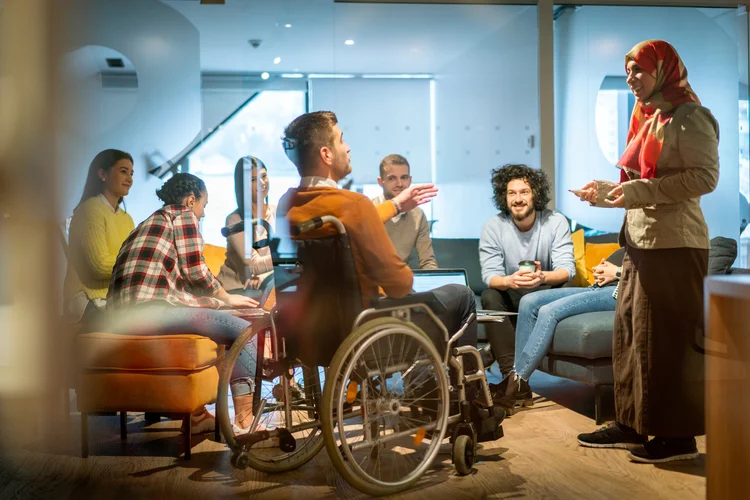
(453, 304)
(502, 336)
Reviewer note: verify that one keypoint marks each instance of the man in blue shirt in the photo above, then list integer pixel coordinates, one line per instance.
(524, 230)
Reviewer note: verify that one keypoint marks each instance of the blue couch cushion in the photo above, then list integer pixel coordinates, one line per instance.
(586, 335)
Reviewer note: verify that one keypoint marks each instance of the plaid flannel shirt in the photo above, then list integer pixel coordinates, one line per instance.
(162, 259)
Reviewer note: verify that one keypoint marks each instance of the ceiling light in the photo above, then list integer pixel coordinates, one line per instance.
(398, 75)
(330, 75)
(277, 60)
(265, 75)
(349, 42)
(292, 75)
(287, 25)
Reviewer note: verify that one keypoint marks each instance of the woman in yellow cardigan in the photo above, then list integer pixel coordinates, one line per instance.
(97, 231)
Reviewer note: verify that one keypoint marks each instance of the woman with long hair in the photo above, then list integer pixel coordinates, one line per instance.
(671, 159)
(99, 226)
(250, 276)
(161, 285)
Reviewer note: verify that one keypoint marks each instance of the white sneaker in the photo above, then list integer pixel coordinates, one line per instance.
(201, 422)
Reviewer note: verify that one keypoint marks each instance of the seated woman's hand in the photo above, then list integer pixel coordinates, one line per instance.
(605, 273)
(252, 283)
(239, 301)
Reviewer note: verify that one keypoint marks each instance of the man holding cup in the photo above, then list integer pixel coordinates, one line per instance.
(526, 247)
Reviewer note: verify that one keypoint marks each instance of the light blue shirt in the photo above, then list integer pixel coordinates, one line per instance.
(502, 246)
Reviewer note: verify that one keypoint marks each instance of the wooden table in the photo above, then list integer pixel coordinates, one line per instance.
(727, 305)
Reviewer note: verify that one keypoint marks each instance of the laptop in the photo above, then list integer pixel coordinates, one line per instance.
(429, 279)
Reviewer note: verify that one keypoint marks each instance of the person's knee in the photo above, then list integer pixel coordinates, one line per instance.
(491, 299)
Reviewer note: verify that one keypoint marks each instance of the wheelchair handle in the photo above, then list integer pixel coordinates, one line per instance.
(317, 222)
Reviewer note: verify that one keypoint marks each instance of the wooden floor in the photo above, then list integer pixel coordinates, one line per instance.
(538, 458)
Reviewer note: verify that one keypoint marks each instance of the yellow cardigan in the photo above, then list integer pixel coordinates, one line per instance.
(96, 235)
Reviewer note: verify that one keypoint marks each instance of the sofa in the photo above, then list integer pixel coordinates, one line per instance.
(582, 346)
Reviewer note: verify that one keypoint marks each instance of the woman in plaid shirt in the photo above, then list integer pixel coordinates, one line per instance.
(161, 285)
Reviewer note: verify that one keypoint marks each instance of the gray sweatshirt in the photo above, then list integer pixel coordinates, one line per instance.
(502, 246)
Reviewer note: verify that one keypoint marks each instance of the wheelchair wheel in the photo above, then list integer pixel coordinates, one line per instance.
(375, 380)
(463, 454)
(298, 406)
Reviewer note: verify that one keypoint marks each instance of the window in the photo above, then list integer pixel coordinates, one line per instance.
(255, 130)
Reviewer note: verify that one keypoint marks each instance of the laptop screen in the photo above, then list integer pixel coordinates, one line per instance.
(429, 279)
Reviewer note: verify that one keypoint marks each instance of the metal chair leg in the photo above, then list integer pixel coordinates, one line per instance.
(123, 425)
(84, 435)
(188, 433)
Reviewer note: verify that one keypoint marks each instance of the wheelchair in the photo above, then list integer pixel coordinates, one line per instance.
(369, 385)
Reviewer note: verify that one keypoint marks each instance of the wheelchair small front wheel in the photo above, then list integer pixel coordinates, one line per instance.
(463, 455)
(293, 412)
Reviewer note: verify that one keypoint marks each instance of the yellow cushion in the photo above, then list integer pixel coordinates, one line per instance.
(595, 252)
(107, 351)
(157, 392)
(215, 257)
(579, 253)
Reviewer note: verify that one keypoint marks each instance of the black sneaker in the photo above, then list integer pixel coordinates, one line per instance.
(661, 450)
(612, 435)
(511, 392)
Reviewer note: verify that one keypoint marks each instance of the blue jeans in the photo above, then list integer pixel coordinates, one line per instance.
(540, 312)
(163, 319)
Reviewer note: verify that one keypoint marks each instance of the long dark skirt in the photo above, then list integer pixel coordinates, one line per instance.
(658, 366)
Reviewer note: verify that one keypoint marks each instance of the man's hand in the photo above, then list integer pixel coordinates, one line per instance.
(526, 279)
(605, 273)
(252, 283)
(415, 195)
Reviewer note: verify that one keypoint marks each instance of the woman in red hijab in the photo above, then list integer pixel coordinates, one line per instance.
(670, 161)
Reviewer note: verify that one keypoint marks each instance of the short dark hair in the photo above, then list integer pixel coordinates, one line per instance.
(393, 159)
(535, 178)
(307, 133)
(179, 186)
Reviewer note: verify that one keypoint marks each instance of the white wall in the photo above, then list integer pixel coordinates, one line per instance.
(590, 44)
(487, 105)
(161, 116)
(379, 117)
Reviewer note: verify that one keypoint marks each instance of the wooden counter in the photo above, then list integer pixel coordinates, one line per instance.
(728, 386)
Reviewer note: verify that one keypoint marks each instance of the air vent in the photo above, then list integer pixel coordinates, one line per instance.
(115, 62)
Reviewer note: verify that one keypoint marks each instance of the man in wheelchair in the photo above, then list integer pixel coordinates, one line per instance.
(315, 144)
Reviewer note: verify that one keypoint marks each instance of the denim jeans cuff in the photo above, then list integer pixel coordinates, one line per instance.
(242, 386)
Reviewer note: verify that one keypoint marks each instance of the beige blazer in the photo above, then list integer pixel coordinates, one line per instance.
(665, 212)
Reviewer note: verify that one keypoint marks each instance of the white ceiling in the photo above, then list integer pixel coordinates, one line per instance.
(388, 38)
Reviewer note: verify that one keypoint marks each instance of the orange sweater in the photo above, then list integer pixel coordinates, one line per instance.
(375, 258)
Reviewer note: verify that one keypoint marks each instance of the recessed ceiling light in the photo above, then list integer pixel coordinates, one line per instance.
(292, 75)
(287, 25)
(265, 75)
(349, 42)
(277, 60)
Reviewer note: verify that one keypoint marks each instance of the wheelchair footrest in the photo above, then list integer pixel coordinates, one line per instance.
(488, 423)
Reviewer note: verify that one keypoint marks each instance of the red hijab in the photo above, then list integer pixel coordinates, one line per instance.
(646, 133)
